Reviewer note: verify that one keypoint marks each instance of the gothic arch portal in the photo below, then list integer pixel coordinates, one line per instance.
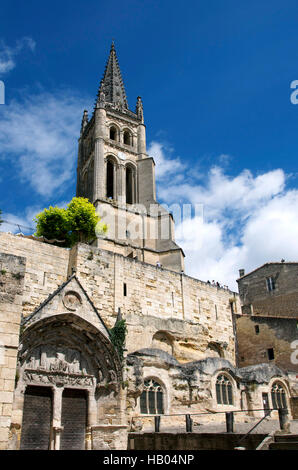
(64, 363)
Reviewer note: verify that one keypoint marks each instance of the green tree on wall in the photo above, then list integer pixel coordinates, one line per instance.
(75, 224)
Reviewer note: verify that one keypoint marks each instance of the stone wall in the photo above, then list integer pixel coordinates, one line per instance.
(255, 297)
(46, 267)
(196, 315)
(257, 334)
(12, 270)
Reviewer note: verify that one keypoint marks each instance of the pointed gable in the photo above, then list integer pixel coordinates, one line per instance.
(69, 298)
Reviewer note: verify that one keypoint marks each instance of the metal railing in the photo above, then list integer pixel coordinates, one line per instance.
(229, 419)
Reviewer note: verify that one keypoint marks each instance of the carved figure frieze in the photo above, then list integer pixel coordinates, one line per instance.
(54, 358)
(58, 378)
(59, 365)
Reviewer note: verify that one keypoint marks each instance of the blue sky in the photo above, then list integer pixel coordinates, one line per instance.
(215, 82)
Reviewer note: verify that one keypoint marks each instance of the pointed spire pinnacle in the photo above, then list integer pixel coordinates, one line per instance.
(84, 121)
(112, 84)
(139, 109)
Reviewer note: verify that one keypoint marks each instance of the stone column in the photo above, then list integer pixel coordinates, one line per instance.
(99, 135)
(142, 140)
(56, 423)
(122, 186)
(91, 419)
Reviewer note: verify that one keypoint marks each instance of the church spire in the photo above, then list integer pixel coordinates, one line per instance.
(112, 84)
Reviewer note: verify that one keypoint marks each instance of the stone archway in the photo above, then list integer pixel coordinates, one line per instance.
(67, 360)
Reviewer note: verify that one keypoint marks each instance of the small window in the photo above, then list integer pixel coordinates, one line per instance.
(124, 289)
(224, 390)
(152, 399)
(270, 283)
(216, 316)
(257, 329)
(270, 353)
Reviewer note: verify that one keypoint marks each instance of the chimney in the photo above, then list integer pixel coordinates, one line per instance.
(241, 272)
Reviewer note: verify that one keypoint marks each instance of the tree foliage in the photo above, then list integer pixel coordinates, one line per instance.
(78, 223)
(1, 221)
(118, 335)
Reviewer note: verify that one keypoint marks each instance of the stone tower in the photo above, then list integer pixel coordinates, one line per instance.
(117, 175)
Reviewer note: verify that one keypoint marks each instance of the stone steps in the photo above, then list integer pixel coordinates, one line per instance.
(284, 442)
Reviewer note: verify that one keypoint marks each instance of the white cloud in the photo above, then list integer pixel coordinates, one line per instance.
(24, 222)
(248, 220)
(165, 166)
(8, 54)
(38, 134)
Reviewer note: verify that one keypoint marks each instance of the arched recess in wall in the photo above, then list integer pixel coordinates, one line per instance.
(214, 349)
(111, 175)
(127, 137)
(114, 132)
(164, 341)
(130, 183)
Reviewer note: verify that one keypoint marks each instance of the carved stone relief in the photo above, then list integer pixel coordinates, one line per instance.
(71, 300)
(61, 366)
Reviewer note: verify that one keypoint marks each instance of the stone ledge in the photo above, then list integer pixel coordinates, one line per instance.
(108, 426)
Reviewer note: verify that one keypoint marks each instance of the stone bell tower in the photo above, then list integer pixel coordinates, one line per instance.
(117, 175)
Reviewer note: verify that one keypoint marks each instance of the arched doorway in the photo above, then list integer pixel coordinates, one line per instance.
(66, 367)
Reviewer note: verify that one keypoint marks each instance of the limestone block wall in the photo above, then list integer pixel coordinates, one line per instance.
(257, 334)
(281, 301)
(196, 316)
(12, 270)
(46, 267)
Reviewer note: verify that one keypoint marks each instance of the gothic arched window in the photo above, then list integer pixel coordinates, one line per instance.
(113, 133)
(127, 140)
(278, 396)
(130, 185)
(110, 180)
(224, 390)
(152, 398)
